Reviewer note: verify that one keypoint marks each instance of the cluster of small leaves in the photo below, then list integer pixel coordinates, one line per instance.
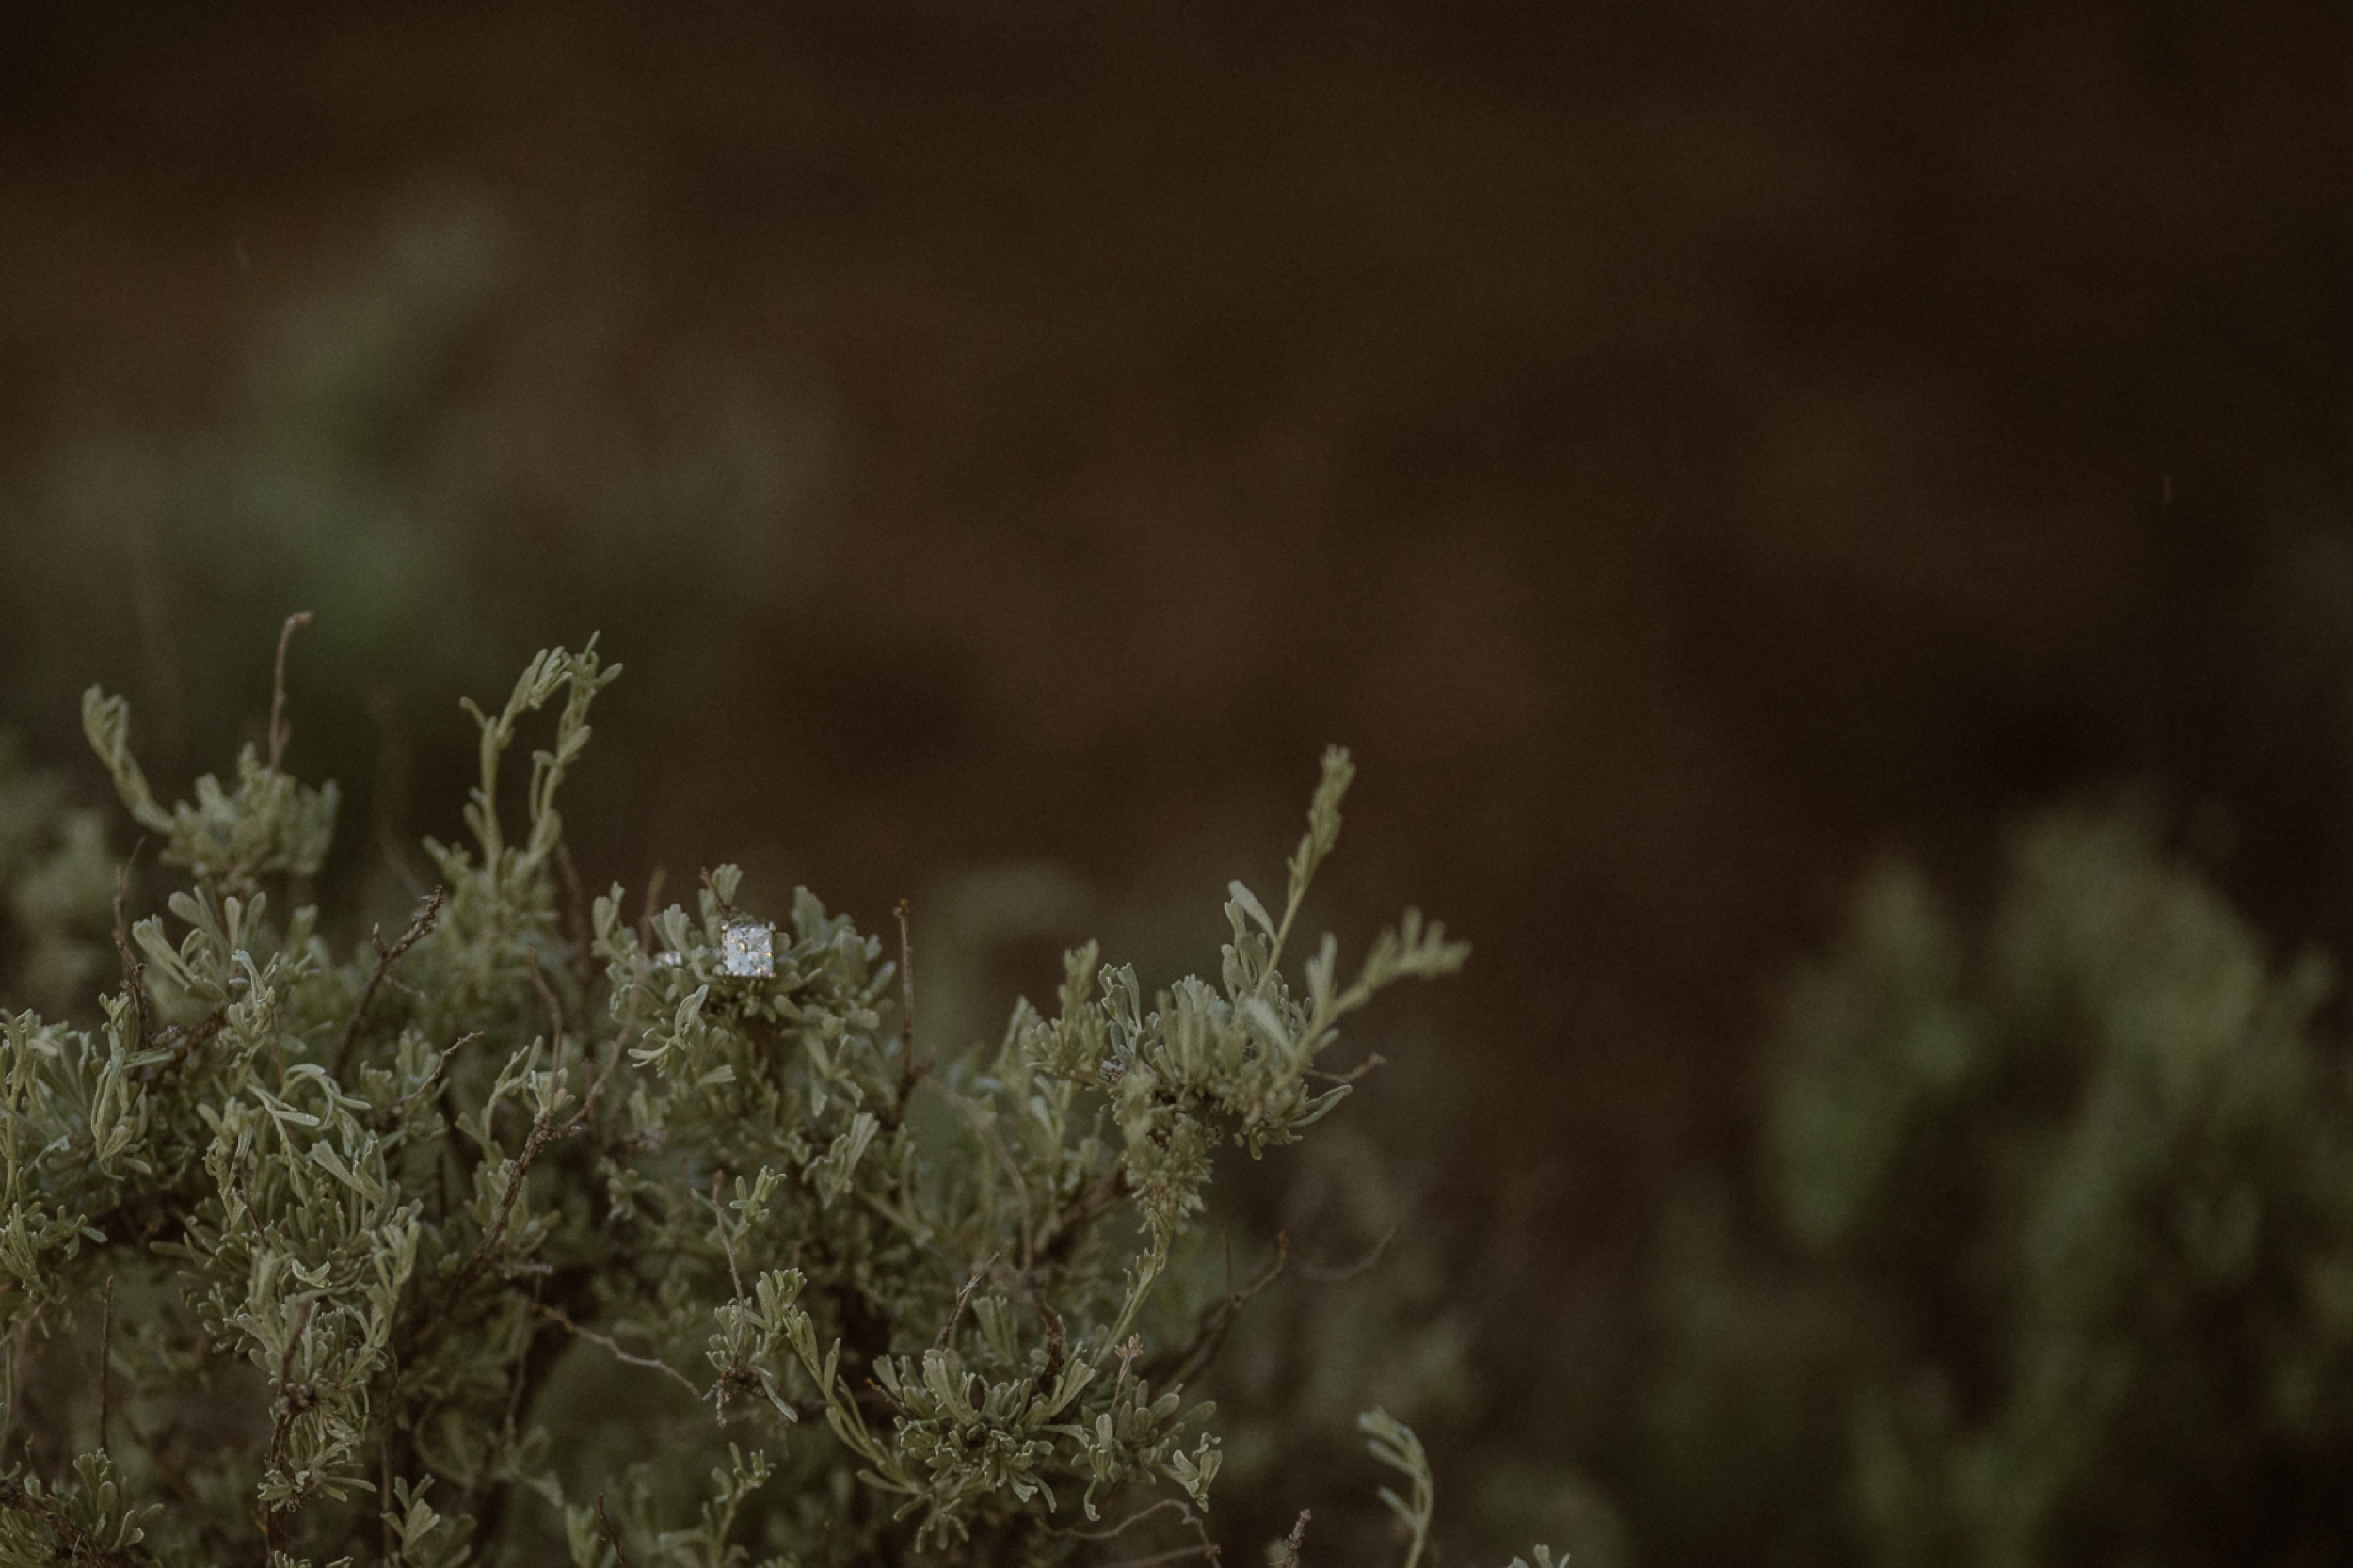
(326, 1235)
(270, 823)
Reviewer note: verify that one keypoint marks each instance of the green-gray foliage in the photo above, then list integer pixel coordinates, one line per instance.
(58, 880)
(430, 445)
(303, 1254)
(2079, 1193)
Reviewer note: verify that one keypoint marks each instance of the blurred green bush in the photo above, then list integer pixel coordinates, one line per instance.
(450, 479)
(2064, 1271)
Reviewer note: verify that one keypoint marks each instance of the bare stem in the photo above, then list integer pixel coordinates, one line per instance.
(650, 1362)
(106, 1351)
(280, 731)
(286, 1408)
(419, 927)
(1183, 1365)
(542, 1129)
(133, 972)
(612, 1537)
(908, 1073)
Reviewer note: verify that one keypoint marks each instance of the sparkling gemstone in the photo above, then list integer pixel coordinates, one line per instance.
(749, 948)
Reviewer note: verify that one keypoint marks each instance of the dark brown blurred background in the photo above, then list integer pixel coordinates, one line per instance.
(1684, 449)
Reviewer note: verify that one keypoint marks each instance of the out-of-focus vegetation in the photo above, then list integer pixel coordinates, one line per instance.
(58, 878)
(2062, 1201)
(446, 491)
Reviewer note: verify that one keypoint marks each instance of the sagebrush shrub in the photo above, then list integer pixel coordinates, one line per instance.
(2067, 1198)
(654, 1236)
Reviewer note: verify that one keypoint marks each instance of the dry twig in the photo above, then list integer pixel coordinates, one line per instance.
(279, 730)
(420, 925)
